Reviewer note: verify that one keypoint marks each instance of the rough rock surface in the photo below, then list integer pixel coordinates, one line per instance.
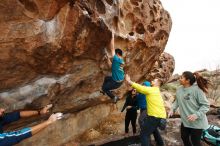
(53, 52)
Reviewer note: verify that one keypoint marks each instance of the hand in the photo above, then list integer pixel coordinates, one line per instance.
(2, 111)
(55, 117)
(106, 56)
(52, 118)
(192, 117)
(129, 107)
(170, 114)
(46, 109)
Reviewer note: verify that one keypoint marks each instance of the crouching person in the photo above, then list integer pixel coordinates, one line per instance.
(14, 137)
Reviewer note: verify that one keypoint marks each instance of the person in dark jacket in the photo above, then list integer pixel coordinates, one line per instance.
(131, 108)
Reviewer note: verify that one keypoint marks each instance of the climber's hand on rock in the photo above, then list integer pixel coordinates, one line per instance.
(106, 56)
(52, 118)
(46, 109)
(55, 117)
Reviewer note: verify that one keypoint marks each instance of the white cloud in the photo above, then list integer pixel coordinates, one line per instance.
(194, 39)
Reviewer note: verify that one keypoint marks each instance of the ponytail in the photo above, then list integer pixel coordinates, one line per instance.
(202, 82)
(196, 77)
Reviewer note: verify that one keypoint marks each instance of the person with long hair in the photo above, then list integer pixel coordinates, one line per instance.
(131, 110)
(193, 106)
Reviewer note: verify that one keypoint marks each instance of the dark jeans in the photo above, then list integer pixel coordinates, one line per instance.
(109, 84)
(158, 139)
(149, 127)
(131, 116)
(190, 136)
(143, 115)
(157, 136)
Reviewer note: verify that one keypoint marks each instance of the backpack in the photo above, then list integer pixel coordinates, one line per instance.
(211, 135)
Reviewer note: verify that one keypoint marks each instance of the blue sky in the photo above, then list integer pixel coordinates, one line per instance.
(194, 40)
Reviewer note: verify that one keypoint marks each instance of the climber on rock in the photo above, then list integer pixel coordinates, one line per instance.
(117, 64)
(14, 137)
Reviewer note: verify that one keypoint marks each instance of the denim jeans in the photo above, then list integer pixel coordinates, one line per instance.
(149, 127)
(143, 115)
(109, 84)
(158, 138)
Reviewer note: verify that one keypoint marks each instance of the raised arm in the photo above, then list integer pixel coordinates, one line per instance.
(140, 88)
(112, 45)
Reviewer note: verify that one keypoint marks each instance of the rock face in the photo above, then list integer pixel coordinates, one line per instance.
(53, 51)
(163, 68)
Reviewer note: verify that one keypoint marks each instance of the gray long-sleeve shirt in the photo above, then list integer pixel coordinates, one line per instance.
(192, 100)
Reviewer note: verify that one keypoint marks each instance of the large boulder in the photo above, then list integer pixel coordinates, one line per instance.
(53, 52)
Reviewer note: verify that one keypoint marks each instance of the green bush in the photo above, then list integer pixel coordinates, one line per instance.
(206, 74)
(170, 87)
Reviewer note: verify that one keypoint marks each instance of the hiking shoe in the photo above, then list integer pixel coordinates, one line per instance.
(115, 99)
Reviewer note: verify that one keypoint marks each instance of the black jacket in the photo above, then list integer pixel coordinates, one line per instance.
(130, 102)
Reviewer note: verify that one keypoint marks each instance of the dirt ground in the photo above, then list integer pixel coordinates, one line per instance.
(111, 129)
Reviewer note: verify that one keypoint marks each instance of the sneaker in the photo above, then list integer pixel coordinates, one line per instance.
(115, 99)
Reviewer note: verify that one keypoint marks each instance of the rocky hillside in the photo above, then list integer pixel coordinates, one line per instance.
(53, 52)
